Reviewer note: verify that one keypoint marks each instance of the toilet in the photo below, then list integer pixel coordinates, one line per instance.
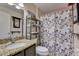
(41, 51)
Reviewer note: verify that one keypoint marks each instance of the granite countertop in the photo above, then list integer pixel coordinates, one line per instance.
(8, 52)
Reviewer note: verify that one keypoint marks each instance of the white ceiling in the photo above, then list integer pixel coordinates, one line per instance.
(48, 7)
(5, 5)
(45, 7)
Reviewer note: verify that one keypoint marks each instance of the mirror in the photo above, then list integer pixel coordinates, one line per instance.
(11, 20)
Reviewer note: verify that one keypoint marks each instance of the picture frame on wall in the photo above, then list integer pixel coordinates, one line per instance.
(16, 22)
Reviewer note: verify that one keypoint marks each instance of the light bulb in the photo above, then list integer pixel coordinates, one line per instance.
(17, 7)
(10, 3)
(21, 4)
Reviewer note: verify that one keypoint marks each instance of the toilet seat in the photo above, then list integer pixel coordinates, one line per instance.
(42, 51)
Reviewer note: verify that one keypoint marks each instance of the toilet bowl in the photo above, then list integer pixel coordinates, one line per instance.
(41, 51)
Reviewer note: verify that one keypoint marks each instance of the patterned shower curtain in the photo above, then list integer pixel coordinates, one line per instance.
(57, 33)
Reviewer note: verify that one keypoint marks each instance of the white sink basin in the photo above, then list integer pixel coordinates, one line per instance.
(15, 45)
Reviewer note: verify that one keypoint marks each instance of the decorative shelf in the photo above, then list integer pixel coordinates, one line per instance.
(36, 25)
(34, 33)
(28, 34)
(32, 18)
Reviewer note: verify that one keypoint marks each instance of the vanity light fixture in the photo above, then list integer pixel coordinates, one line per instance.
(18, 7)
(11, 3)
(21, 4)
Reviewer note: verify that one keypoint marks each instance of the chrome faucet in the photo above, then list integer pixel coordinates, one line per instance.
(12, 37)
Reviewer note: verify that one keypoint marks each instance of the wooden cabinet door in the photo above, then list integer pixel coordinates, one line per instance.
(20, 53)
(31, 51)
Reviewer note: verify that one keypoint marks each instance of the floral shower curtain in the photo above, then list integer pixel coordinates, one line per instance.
(57, 33)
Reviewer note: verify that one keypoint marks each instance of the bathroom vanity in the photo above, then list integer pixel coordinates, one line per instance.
(27, 49)
(30, 51)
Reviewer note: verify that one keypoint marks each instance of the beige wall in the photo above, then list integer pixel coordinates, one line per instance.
(34, 9)
(40, 13)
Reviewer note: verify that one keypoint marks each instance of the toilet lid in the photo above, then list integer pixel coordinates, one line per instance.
(41, 49)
